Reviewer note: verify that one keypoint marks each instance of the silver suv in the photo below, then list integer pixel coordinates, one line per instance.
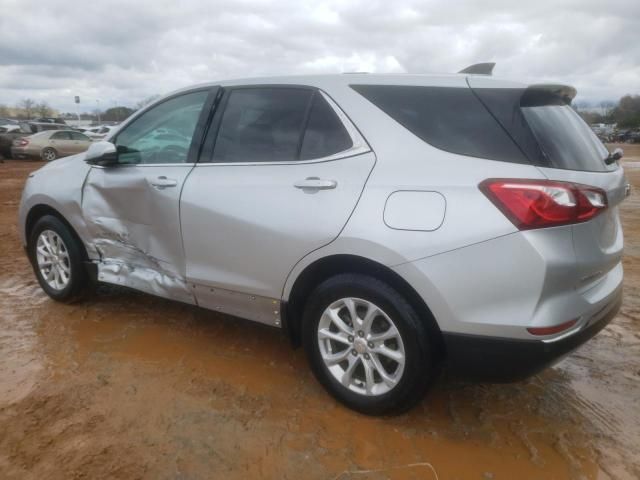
(388, 223)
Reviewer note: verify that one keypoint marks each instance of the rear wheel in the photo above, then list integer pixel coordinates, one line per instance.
(57, 258)
(366, 344)
(49, 154)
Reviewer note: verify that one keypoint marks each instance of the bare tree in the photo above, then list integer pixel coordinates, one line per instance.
(27, 106)
(43, 109)
(607, 107)
(146, 101)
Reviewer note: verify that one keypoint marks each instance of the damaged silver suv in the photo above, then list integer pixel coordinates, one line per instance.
(388, 223)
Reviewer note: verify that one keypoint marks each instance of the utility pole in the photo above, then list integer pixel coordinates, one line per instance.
(77, 100)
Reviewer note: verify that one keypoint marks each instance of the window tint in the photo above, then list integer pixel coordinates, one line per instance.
(546, 128)
(325, 134)
(145, 140)
(79, 136)
(566, 139)
(451, 119)
(61, 136)
(262, 125)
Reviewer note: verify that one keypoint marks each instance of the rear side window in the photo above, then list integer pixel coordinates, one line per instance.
(61, 136)
(450, 119)
(325, 134)
(80, 136)
(262, 125)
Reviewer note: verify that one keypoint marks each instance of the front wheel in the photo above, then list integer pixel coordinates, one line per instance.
(366, 344)
(57, 256)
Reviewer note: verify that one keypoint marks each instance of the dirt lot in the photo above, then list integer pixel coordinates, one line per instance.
(130, 386)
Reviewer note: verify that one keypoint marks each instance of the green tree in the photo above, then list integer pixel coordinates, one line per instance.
(116, 114)
(627, 113)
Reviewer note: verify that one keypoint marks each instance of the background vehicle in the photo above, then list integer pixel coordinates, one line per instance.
(58, 120)
(26, 129)
(50, 144)
(100, 131)
(387, 222)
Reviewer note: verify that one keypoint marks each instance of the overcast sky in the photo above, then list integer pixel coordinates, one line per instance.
(123, 51)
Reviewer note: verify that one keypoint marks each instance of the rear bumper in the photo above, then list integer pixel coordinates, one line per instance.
(21, 152)
(495, 359)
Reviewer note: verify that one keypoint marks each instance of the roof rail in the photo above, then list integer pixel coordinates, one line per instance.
(479, 68)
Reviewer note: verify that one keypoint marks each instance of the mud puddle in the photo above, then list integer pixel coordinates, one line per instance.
(126, 385)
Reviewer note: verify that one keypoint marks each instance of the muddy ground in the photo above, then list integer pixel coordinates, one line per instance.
(130, 386)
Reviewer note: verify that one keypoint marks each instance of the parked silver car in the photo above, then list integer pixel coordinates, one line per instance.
(388, 223)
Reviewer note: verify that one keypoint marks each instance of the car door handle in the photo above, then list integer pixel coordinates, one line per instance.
(315, 183)
(164, 182)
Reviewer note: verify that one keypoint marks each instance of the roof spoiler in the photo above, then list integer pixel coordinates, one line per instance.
(545, 94)
(479, 68)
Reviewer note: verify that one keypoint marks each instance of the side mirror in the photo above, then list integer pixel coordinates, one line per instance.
(617, 154)
(102, 153)
(614, 156)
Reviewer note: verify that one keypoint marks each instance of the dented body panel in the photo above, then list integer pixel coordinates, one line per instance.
(133, 216)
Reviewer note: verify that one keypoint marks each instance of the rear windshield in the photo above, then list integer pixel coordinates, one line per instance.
(547, 129)
(449, 118)
(565, 138)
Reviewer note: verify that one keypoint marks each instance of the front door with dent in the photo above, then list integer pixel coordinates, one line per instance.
(132, 209)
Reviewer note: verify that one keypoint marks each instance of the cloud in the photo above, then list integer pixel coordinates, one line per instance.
(122, 51)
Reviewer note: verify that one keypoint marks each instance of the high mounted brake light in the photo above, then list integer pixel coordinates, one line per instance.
(533, 204)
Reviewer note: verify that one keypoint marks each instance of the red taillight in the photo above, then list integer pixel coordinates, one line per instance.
(544, 203)
(551, 330)
(21, 142)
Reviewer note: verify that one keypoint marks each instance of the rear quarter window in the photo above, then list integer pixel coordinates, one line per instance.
(325, 134)
(448, 118)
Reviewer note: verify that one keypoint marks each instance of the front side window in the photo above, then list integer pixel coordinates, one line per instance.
(162, 134)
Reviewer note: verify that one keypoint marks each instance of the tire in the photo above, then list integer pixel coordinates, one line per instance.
(69, 258)
(49, 154)
(376, 396)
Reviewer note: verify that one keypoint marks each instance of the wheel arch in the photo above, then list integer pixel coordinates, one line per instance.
(332, 265)
(40, 210)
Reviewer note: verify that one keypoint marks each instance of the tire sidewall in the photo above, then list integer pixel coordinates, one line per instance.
(49, 149)
(417, 370)
(78, 274)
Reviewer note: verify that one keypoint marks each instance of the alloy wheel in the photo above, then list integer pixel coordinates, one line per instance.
(361, 346)
(53, 260)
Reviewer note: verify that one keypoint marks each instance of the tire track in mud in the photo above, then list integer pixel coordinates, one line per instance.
(22, 364)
